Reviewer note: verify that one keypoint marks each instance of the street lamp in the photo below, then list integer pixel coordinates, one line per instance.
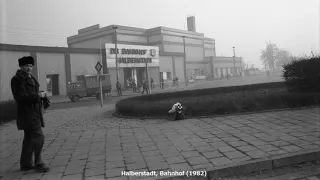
(116, 50)
(185, 61)
(234, 61)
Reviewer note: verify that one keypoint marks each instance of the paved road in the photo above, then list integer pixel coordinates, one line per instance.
(88, 143)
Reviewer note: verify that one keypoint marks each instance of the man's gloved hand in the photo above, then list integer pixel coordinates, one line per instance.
(42, 94)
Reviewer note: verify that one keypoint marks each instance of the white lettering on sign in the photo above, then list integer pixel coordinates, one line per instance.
(132, 55)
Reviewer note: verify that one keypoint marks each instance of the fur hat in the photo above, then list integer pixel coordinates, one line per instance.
(26, 60)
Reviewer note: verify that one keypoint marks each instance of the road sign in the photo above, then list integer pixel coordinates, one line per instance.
(98, 67)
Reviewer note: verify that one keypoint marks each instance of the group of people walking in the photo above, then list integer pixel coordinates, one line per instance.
(132, 84)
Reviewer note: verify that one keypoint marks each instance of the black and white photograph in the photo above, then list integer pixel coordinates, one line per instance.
(160, 90)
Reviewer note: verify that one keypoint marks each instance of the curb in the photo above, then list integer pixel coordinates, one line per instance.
(243, 168)
(220, 115)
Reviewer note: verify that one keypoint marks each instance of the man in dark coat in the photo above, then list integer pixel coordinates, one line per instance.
(25, 90)
(161, 82)
(134, 85)
(118, 86)
(145, 86)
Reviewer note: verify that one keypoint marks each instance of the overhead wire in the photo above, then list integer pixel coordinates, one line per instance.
(50, 36)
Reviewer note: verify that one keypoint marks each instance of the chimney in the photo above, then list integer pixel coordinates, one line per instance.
(191, 21)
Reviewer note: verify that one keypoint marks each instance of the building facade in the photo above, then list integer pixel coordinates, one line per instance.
(167, 53)
(182, 54)
(54, 66)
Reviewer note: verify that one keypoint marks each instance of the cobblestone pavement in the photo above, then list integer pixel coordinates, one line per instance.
(303, 171)
(88, 143)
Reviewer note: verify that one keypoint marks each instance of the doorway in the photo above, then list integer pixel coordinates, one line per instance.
(53, 84)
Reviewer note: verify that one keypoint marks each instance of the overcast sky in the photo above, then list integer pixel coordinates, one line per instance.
(245, 24)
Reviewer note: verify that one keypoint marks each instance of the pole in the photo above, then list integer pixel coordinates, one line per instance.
(234, 62)
(100, 82)
(185, 61)
(240, 66)
(147, 74)
(116, 51)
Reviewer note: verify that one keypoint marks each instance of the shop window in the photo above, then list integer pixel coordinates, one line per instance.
(201, 72)
(169, 76)
(166, 75)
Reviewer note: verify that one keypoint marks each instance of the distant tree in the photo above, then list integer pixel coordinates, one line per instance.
(269, 55)
(243, 64)
(283, 57)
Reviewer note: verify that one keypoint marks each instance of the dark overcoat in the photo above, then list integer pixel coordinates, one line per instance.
(25, 91)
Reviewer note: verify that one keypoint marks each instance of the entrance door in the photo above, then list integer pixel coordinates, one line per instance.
(53, 84)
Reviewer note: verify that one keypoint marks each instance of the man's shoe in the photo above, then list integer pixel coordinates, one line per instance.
(42, 168)
(26, 168)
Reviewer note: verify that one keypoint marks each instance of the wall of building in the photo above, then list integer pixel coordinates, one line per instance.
(93, 43)
(179, 64)
(51, 63)
(165, 63)
(8, 68)
(83, 64)
(154, 73)
(132, 38)
(113, 78)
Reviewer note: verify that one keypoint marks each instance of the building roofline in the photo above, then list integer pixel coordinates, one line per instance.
(95, 29)
(47, 49)
(102, 29)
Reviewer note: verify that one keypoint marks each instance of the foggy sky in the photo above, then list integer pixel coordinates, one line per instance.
(245, 24)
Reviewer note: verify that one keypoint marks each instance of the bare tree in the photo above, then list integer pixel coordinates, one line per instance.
(283, 57)
(272, 54)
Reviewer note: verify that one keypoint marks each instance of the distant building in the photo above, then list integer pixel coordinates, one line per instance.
(161, 48)
(201, 57)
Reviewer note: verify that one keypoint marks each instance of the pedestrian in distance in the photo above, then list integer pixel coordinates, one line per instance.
(152, 83)
(161, 83)
(134, 86)
(145, 86)
(29, 100)
(118, 86)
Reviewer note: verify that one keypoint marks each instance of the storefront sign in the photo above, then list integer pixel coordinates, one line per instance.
(134, 60)
(132, 55)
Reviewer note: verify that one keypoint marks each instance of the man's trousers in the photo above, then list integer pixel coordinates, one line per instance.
(32, 145)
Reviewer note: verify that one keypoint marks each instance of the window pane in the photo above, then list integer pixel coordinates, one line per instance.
(169, 75)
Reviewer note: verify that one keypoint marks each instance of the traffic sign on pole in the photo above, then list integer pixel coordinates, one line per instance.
(98, 67)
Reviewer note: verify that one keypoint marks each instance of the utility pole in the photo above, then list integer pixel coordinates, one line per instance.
(116, 50)
(147, 74)
(185, 60)
(100, 82)
(234, 61)
(240, 66)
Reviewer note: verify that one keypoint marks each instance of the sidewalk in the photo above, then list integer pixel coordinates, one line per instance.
(88, 143)
(64, 98)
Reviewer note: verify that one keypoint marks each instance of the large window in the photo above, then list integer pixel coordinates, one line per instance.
(169, 75)
(166, 75)
(199, 72)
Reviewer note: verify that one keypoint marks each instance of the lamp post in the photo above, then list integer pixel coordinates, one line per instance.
(234, 61)
(241, 66)
(100, 82)
(116, 50)
(185, 61)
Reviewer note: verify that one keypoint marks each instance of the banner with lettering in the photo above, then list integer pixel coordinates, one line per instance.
(132, 55)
